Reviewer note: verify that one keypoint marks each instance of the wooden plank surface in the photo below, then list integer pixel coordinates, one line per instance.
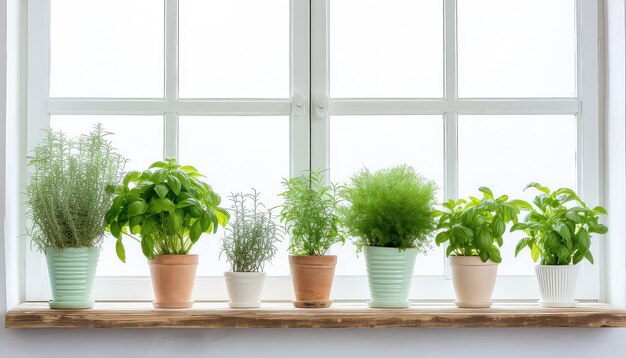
(283, 315)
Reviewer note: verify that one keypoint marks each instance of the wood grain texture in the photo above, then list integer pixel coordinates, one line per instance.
(218, 315)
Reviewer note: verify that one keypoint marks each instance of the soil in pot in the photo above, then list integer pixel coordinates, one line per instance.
(72, 272)
(389, 273)
(312, 280)
(173, 278)
(473, 281)
(244, 288)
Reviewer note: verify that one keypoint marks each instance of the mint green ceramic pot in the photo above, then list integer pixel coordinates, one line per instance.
(72, 273)
(389, 273)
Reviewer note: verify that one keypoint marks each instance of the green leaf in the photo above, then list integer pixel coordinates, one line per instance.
(188, 202)
(147, 246)
(563, 230)
(138, 207)
(534, 252)
(116, 230)
(483, 239)
(600, 210)
(497, 227)
(111, 215)
(486, 191)
(188, 169)
(131, 176)
(589, 256)
(119, 249)
(161, 205)
(161, 190)
(521, 245)
(521, 204)
(222, 216)
(159, 164)
(494, 254)
(183, 179)
(174, 184)
(173, 223)
(538, 187)
(573, 216)
(195, 231)
(449, 250)
(441, 238)
(159, 176)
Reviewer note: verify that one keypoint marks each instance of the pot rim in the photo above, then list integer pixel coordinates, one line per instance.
(189, 259)
(457, 260)
(248, 274)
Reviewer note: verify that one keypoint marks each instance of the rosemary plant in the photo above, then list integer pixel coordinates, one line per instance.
(310, 214)
(67, 193)
(252, 235)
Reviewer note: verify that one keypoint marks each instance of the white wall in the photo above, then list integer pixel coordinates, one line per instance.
(512, 343)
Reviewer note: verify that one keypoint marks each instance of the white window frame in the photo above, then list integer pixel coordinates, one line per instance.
(309, 127)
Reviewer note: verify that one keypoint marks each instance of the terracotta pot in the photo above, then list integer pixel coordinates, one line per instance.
(312, 280)
(557, 285)
(173, 277)
(473, 281)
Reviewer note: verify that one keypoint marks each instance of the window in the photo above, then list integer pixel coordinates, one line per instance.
(469, 92)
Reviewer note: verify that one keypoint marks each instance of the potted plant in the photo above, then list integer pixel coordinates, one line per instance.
(166, 209)
(66, 197)
(390, 215)
(558, 229)
(310, 215)
(473, 230)
(249, 243)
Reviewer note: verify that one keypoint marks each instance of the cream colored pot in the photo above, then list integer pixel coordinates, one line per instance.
(473, 281)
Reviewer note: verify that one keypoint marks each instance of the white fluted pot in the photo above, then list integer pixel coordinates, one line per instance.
(244, 288)
(557, 285)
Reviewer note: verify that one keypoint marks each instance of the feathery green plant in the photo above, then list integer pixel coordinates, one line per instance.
(67, 193)
(390, 208)
(251, 235)
(168, 206)
(310, 214)
(559, 227)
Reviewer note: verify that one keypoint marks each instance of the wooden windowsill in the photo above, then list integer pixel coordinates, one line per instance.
(283, 315)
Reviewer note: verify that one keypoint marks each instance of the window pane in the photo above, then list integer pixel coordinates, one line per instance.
(391, 48)
(378, 142)
(237, 154)
(234, 48)
(141, 151)
(505, 153)
(106, 48)
(512, 48)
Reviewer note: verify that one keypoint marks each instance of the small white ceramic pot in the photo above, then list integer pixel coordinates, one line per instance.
(473, 281)
(244, 288)
(557, 284)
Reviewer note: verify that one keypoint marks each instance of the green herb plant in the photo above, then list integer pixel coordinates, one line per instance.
(390, 208)
(558, 227)
(310, 215)
(66, 193)
(475, 227)
(167, 206)
(251, 235)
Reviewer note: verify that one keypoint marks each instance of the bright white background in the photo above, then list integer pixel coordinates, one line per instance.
(483, 343)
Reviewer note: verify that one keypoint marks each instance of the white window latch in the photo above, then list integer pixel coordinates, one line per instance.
(298, 105)
(321, 106)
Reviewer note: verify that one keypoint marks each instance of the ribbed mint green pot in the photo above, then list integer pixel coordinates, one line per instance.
(389, 273)
(72, 273)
